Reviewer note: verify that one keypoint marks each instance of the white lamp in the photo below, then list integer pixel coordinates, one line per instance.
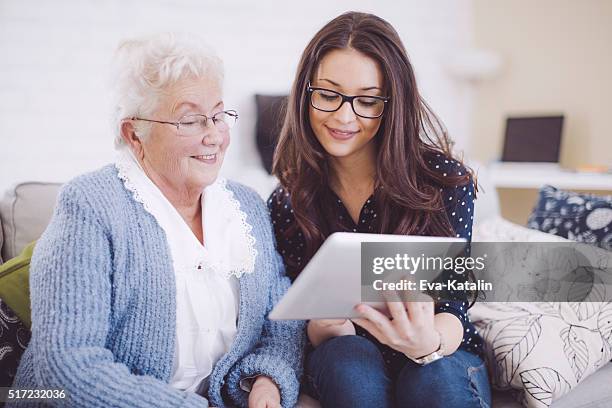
(473, 65)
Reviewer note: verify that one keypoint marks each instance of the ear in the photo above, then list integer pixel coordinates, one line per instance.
(129, 136)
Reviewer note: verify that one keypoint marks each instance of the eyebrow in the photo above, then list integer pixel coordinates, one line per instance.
(368, 88)
(191, 104)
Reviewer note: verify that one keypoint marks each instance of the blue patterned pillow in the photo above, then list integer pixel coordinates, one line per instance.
(579, 217)
(14, 338)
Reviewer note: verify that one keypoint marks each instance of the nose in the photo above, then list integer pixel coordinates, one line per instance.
(345, 114)
(212, 137)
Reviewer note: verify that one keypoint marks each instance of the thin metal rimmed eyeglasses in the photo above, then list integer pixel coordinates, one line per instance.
(196, 124)
(365, 106)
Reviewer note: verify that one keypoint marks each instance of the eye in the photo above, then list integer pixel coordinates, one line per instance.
(189, 121)
(328, 96)
(192, 121)
(368, 102)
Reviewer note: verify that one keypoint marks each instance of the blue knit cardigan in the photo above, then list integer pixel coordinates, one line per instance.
(103, 307)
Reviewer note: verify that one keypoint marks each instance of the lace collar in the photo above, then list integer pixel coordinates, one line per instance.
(229, 244)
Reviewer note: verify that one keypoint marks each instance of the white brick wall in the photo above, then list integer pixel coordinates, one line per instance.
(55, 59)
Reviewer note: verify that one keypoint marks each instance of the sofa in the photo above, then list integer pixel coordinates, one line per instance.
(26, 208)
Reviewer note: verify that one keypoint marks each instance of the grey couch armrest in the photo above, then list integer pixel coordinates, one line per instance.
(25, 211)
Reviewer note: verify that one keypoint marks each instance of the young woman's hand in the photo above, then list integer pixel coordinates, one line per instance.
(411, 330)
(264, 394)
(323, 329)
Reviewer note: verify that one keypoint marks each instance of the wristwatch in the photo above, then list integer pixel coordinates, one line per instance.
(433, 356)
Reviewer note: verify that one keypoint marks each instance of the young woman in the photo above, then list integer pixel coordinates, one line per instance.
(361, 151)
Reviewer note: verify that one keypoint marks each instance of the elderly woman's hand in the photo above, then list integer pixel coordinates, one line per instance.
(264, 394)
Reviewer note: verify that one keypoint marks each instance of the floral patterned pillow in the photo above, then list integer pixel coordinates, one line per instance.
(579, 217)
(14, 338)
(541, 350)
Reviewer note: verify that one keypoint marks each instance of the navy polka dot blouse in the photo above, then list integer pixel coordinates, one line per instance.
(459, 203)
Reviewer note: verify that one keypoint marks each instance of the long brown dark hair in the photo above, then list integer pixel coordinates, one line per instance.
(408, 196)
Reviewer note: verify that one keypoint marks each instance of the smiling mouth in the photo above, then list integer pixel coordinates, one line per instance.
(206, 158)
(341, 134)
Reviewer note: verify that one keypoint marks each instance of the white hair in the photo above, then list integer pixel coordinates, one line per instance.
(146, 67)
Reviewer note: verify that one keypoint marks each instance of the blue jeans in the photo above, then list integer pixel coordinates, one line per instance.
(349, 371)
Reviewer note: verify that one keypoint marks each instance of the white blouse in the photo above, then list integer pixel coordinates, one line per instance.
(207, 290)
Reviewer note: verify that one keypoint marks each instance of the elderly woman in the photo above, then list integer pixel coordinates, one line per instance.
(152, 283)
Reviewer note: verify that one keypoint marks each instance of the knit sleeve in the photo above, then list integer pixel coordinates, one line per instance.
(279, 352)
(71, 293)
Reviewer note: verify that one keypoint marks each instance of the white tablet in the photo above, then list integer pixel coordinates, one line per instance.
(329, 287)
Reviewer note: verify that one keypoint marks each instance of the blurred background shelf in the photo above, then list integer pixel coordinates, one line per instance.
(536, 175)
(518, 185)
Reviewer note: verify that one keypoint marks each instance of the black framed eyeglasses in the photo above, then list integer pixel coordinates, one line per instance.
(196, 124)
(365, 106)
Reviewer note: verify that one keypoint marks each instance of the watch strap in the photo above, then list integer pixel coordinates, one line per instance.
(433, 356)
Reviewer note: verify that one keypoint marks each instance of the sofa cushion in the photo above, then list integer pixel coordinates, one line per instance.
(579, 217)
(594, 392)
(270, 116)
(25, 211)
(14, 284)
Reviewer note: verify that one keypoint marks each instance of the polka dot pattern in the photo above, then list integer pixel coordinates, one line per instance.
(459, 204)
